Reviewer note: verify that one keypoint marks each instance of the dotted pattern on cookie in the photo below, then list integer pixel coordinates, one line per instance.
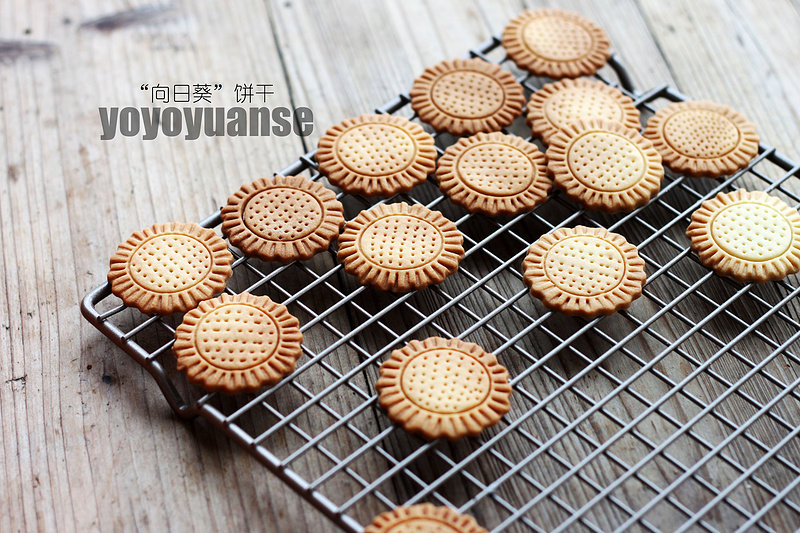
(557, 38)
(467, 94)
(445, 381)
(605, 161)
(422, 525)
(701, 133)
(375, 149)
(752, 231)
(584, 265)
(401, 242)
(236, 337)
(578, 103)
(282, 214)
(495, 169)
(169, 263)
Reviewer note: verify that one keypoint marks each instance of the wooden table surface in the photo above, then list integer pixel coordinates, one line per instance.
(88, 442)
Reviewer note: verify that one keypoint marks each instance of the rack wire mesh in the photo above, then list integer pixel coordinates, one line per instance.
(679, 414)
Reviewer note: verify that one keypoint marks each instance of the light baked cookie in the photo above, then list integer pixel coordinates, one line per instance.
(238, 343)
(556, 43)
(169, 268)
(282, 218)
(584, 271)
(423, 518)
(443, 388)
(604, 166)
(399, 247)
(376, 155)
(557, 105)
(465, 96)
(747, 235)
(702, 139)
(494, 174)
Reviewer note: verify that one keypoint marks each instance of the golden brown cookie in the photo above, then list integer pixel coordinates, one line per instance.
(749, 236)
(423, 518)
(604, 166)
(702, 138)
(282, 218)
(494, 174)
(376, 155)
(443, 388)
(465, 96)
(399, 247)
(169, 268)
(584, 271)
(556, 43)
(238, 343)
(557, 105)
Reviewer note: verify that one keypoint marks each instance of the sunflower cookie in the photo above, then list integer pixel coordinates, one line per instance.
(494, 174)
(584, 271)
(282, 218)
(169, 268)
(747, 235)
(556, 43)
(376, 155)
(423, 518)
(702, 138)
(604, 166)
(465, 96)
(238, 343)
(443, 388)
(399, 247)
(557, 105)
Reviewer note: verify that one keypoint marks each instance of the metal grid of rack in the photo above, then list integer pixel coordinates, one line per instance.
(680, 413)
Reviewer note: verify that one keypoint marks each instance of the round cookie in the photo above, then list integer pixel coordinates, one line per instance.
(465, 96)
(282, 218)
(494, 174)
(747, 235)
(169, 268)
(557, 105)
(399, 247)
(584, 271)
(702, 138)
(556, 43)
(604, 166)
(238, 343)
(423, 518)
(376, 155)
(443, 388)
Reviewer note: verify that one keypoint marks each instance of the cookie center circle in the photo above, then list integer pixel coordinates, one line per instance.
(422, 525)
(581, 103)
(606, 161)
(445, 381)
(467, 94)
(701, 133)
(170, 262)
(557, 38)
(752, 231)
(236, 337)
(401, 242)
(584, 265)
(282, 214)
(495, 169)
(376, 149)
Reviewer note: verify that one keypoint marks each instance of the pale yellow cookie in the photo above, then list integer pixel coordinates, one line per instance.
(557, 105)
(494, 174)
(702, 138)
(443, 388)
(584, 271)
(604, 166)
(556, 43)
(747, 235)
(376, 155)
(423, 518)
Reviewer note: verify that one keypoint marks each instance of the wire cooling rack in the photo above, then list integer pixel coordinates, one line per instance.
(680, 413)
